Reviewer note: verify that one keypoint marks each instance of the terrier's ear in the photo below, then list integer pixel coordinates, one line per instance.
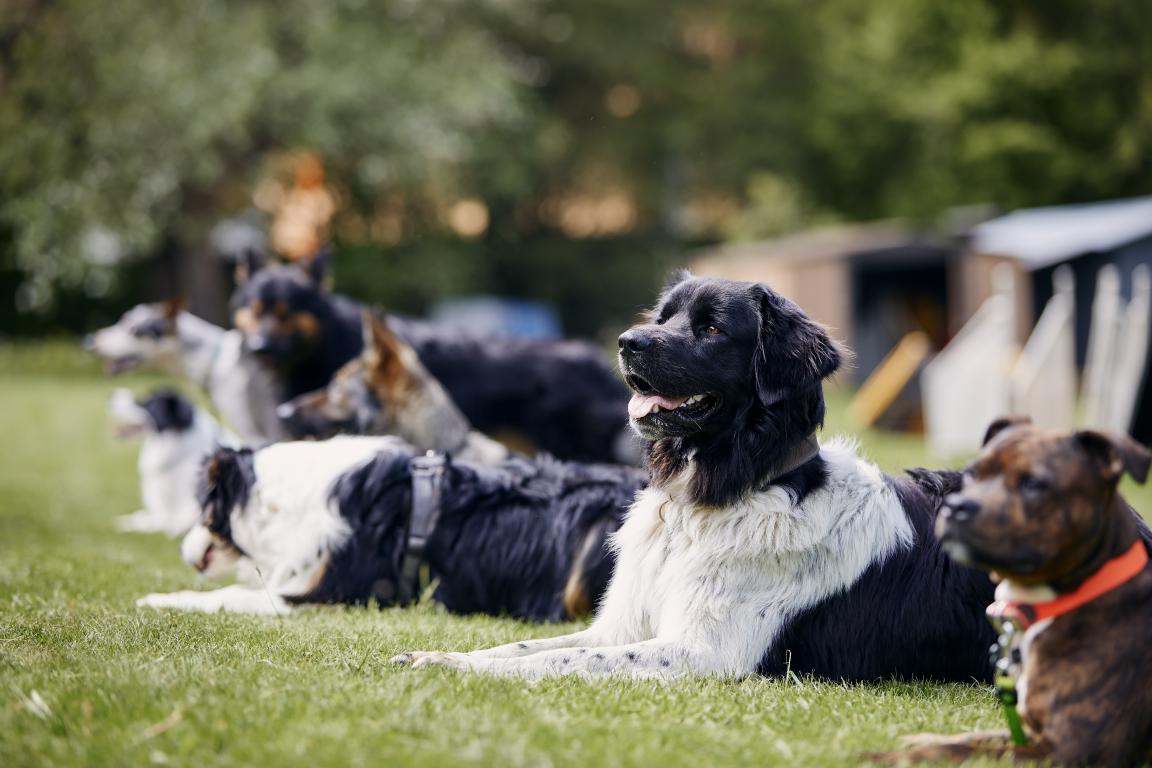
(249, 263)
(1003, 423)
(792, 351)
(1115, 454)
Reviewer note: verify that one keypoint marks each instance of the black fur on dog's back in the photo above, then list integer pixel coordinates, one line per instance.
(935, 630)
(224, 487)
(508, 540)
(374, 500)
(511, 535)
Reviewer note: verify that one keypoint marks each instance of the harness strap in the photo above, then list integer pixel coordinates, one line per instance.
(427, 473)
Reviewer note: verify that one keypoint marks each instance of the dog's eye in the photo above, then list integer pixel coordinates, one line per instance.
(711, 330)
(1031, 484)
(148, 331)
(660, 320)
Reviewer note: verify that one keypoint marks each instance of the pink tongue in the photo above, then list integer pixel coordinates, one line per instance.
(641, 405)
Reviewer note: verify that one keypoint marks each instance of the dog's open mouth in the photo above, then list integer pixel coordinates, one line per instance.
(117, 365)
(206, 558)
(127, 430)
(646, 401)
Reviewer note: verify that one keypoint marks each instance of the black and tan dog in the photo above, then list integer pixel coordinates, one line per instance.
(563, 397)
(1041, 510)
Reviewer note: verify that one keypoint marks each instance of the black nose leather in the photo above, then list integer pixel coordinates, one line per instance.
(961, 509)
(635, 341)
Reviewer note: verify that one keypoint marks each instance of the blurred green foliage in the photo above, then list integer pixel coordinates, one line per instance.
(129, 124)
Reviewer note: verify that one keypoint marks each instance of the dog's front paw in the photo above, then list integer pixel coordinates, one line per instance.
(178, 600)
(418, 659)
(137, 522)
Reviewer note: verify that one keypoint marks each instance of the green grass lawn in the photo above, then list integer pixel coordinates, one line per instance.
(87, 679)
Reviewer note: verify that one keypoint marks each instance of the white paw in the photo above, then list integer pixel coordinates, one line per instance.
(137, 522)
(418, 659)
(176, 600)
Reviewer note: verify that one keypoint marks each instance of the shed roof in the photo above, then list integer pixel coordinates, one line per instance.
(820, 244)
(1040, 237)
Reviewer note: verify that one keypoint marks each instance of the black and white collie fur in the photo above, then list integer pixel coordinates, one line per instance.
(175, 438)
(562, 397)
(165, 337)
(754, 550)
(326, 522)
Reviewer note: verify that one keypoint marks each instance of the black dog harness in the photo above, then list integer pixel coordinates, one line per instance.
(427, 473)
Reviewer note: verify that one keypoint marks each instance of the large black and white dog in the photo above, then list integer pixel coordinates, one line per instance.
(562, 396)
(331, 522)
(755, 549)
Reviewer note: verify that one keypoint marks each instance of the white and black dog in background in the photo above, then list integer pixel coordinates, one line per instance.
(164, 336)
(334, 521)
(755, 549)
(175, 438)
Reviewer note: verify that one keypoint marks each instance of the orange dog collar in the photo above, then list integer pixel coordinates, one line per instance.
(1115, 572)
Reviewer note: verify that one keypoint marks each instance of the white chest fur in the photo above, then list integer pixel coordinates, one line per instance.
(688, 572)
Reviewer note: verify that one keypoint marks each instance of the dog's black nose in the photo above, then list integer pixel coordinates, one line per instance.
(634, 340)
(960, 509)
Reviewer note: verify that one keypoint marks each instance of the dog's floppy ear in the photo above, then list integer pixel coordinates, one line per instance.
(385, 352)
(1116, 454)
(792, 351)
(1003, 423)
(249, 263)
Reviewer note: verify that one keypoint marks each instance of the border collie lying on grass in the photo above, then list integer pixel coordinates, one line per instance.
(755, 549)
(334, 522)
(175, 437)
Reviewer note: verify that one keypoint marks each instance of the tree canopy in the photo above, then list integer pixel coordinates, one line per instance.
(661, 122)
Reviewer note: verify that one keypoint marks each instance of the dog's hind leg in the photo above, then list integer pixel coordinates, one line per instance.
(233, 599)
(958, 748)
(141, 521)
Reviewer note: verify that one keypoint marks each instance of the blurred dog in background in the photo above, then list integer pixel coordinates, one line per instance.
(165, 337)
(388, 391)
(562, 397)
(175, 438)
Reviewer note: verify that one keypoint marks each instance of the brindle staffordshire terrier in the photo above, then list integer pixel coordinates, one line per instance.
(1040, 510)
